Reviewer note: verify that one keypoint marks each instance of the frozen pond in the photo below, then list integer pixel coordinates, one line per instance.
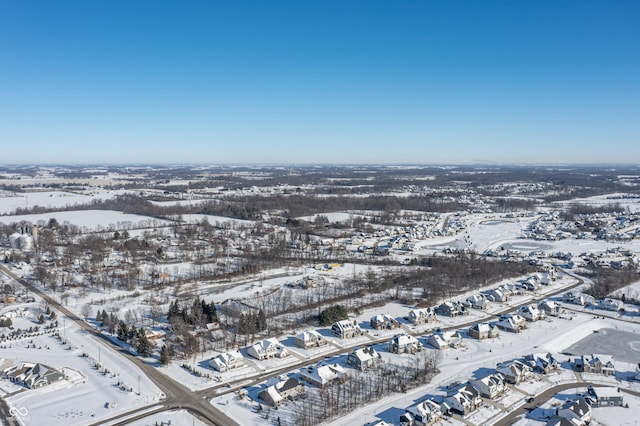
(623, 345)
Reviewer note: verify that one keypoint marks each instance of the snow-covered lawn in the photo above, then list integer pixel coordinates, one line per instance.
(83, 397)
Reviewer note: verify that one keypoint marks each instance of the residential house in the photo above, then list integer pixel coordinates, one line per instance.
(404, 343)
(491, 386)
(605, 396)
(226, 361)
(276, 394)
(578, 412)
(346, 329)
(549, 307)
(496, 295)
(452, 309)
(531, 313)
(310, 339)
(323, 374)
(596, 363)
(384, 322)
(462, 401)
(364, 358)
(532, 283)
(422, 414)
(578, 298)
(542, 362)
(477, 301)
(445, 339)
(514, 372)
(612, 304)
(268, 348)
(33, 375)
(421, 316)
(512, 322)
(483, 330)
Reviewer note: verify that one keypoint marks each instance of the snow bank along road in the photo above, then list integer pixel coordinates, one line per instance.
(177, 395)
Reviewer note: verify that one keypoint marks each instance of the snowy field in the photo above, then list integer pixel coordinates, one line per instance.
(51, 199)
(87, 391)
(90, 220)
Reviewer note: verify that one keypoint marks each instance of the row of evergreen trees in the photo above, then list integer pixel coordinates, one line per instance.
(199, 314)
(132, 335)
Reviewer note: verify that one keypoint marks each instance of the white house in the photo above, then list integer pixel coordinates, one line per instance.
(531, 313)
(549, 307)
(477, 301)
(404, 343)
(346, 329)
(310, 339)
(445, 339)
(421, 316)
(424, 413)
(512, 322)
(323, 374)
(514, 372)
(491, 386)
(268, 348)
(463, 401)
(226, 361)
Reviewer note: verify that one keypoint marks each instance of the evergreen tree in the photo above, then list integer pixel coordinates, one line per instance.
(144, 345)
(165, 355)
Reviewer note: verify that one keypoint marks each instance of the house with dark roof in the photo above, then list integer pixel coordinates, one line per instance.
(596, 363)
(33, 375)
(544, 363)
(605, 396)
(577, 412)
(275, 395)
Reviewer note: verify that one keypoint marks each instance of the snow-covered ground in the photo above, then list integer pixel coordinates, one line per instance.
(90, 220)
(87, 391)
(51, 199)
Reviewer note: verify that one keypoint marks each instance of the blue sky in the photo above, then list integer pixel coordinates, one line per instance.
(320, 81)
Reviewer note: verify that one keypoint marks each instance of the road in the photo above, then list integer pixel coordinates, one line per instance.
(177, 395)
(196, 402)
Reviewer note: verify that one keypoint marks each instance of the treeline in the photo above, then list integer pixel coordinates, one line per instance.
(439, 278)
(606, 281)
(576, 209)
